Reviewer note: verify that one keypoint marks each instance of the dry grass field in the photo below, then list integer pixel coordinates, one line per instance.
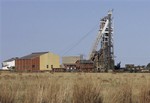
(74, 88)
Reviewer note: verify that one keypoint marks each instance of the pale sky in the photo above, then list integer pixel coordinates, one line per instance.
(57, 25)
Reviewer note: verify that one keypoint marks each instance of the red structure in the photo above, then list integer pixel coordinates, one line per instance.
(27, 64)
(84, 65)
(30, 62)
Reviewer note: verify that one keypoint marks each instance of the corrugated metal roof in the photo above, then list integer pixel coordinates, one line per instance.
(33, 55)
(9, 60)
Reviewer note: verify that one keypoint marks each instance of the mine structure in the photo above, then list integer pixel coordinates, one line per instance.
(100, 59)
(103, 58)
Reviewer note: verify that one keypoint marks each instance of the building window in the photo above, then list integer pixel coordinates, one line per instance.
(33, 66)
(51, 66)
(47, 66)
(106, 34)
(106, 39)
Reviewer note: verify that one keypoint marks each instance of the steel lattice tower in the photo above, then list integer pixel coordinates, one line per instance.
(104, 57)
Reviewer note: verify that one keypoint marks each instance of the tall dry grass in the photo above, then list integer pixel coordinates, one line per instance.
(145, 94)
(74, 88)
(86, 92)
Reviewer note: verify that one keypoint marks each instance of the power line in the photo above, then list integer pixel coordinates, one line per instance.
(80, 40)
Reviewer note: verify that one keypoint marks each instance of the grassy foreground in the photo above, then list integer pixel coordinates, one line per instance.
(74, 88)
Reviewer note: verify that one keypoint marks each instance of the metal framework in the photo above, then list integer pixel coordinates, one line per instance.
(104, 57)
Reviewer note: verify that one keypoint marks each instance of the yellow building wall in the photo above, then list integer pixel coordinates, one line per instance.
(49, 60)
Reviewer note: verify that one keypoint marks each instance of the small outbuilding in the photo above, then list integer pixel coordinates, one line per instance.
(9, 64)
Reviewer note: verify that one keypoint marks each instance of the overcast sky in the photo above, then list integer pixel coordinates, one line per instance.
(58, 25)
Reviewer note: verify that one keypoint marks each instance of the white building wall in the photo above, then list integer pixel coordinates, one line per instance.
(7, 65)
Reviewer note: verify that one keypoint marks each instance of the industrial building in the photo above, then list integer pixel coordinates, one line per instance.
(70, 59)
(39, 61)
(8, 64)
(100, 59)
(69, 62)
(84, 65)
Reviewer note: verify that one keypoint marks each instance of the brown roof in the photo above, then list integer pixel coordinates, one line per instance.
(33, 55)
